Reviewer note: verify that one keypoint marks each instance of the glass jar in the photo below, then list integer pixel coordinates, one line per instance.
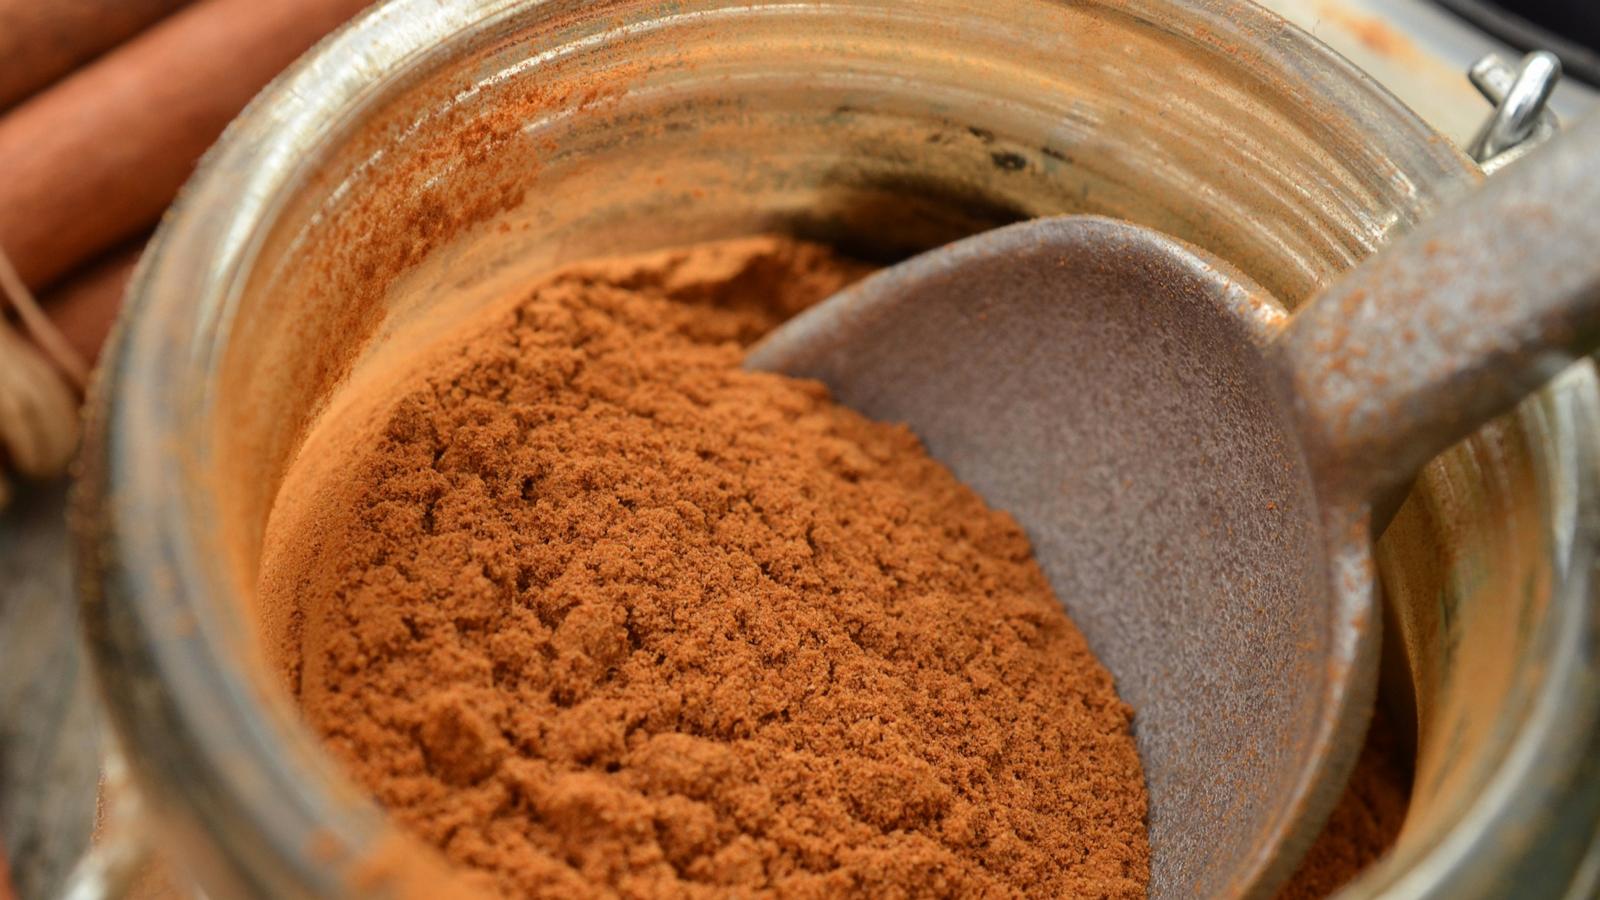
(436, 152)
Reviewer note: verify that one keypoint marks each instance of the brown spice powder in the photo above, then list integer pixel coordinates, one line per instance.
(1365, 824)
(595, 611)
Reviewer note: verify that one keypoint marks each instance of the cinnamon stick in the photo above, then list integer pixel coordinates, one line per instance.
(42, 40)
(94, 160)
(84, 306)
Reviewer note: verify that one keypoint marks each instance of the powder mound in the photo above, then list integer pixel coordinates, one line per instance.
(1365, 824)
(596, 612)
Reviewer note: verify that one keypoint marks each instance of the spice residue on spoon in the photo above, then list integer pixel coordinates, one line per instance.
(592, 609)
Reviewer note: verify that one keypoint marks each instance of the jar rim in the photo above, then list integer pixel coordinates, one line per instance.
(182, 704)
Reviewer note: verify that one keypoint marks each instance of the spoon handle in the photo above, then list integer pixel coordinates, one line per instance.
(1453, 323)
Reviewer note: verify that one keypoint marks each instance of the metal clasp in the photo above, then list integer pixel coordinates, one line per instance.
(1521, 119)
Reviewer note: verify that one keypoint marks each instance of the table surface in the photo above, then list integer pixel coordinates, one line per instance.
(49, 732)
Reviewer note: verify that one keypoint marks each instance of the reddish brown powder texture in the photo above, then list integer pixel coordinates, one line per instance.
(596, 612)
(1364, 825)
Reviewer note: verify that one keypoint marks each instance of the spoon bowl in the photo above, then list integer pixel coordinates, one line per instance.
(1202, 475)
(1108, 386)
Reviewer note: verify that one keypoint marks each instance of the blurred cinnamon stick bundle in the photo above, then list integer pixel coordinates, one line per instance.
(92, 160)
(42, 40)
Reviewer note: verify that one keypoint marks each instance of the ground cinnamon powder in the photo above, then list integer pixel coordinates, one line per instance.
(1365, 824)
(595, 611)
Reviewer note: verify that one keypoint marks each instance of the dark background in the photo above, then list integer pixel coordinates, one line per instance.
(1570, 28)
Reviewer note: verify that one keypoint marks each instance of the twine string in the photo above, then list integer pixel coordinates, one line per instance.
(40, 383)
